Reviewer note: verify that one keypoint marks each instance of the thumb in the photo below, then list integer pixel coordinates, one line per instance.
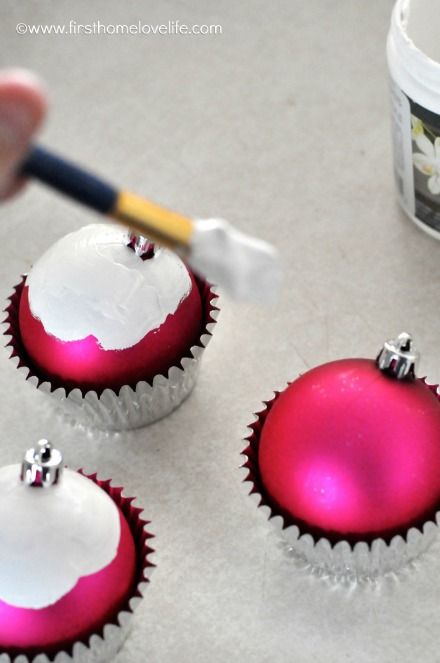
(22, 109)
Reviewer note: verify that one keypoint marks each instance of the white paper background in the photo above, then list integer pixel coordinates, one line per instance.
(282, 125)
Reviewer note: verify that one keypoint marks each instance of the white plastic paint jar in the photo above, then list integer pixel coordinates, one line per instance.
(413, 51)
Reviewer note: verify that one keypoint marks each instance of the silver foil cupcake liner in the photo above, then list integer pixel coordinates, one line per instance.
(102, 646)
(132, 406)
(341, 558)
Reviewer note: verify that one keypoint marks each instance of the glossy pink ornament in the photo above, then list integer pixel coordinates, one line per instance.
(348, 451)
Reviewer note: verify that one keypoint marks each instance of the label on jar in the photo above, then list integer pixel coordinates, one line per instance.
(416, 147)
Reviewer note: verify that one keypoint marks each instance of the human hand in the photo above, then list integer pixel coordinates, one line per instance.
(23, 106)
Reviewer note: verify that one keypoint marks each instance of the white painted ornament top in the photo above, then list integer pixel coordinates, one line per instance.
(54, 532)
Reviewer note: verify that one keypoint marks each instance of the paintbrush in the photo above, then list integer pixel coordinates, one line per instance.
(246, 267)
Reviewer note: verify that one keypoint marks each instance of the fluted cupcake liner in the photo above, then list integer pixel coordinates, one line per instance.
(131, 406)
(103, 645)
(341, 558)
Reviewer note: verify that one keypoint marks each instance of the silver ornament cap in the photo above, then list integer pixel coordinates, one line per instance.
(398, 357)
(42, 465)
(142, 246)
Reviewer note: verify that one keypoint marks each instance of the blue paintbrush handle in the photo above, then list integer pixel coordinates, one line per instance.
(70, 179)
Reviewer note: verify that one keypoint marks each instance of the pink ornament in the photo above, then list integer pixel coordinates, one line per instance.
(87, 365)
(93, 602)
(73, 553)
(98, 313)
(351, 452)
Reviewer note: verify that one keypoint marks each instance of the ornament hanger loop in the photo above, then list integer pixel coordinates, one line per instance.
(399, 358)
(42, 466)
(141, 246)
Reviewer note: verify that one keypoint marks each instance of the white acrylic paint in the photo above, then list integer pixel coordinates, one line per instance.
(52, 537)
(90, 283)
(423, 25)
(248, 268)
(413, 51)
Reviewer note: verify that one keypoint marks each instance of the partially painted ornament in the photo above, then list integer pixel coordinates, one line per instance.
(97, 312)
(67, 556)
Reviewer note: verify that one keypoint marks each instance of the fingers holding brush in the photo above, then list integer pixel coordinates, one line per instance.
(23, 106)
(245, 266)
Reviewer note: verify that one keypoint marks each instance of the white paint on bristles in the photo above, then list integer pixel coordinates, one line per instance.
(248, 268)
